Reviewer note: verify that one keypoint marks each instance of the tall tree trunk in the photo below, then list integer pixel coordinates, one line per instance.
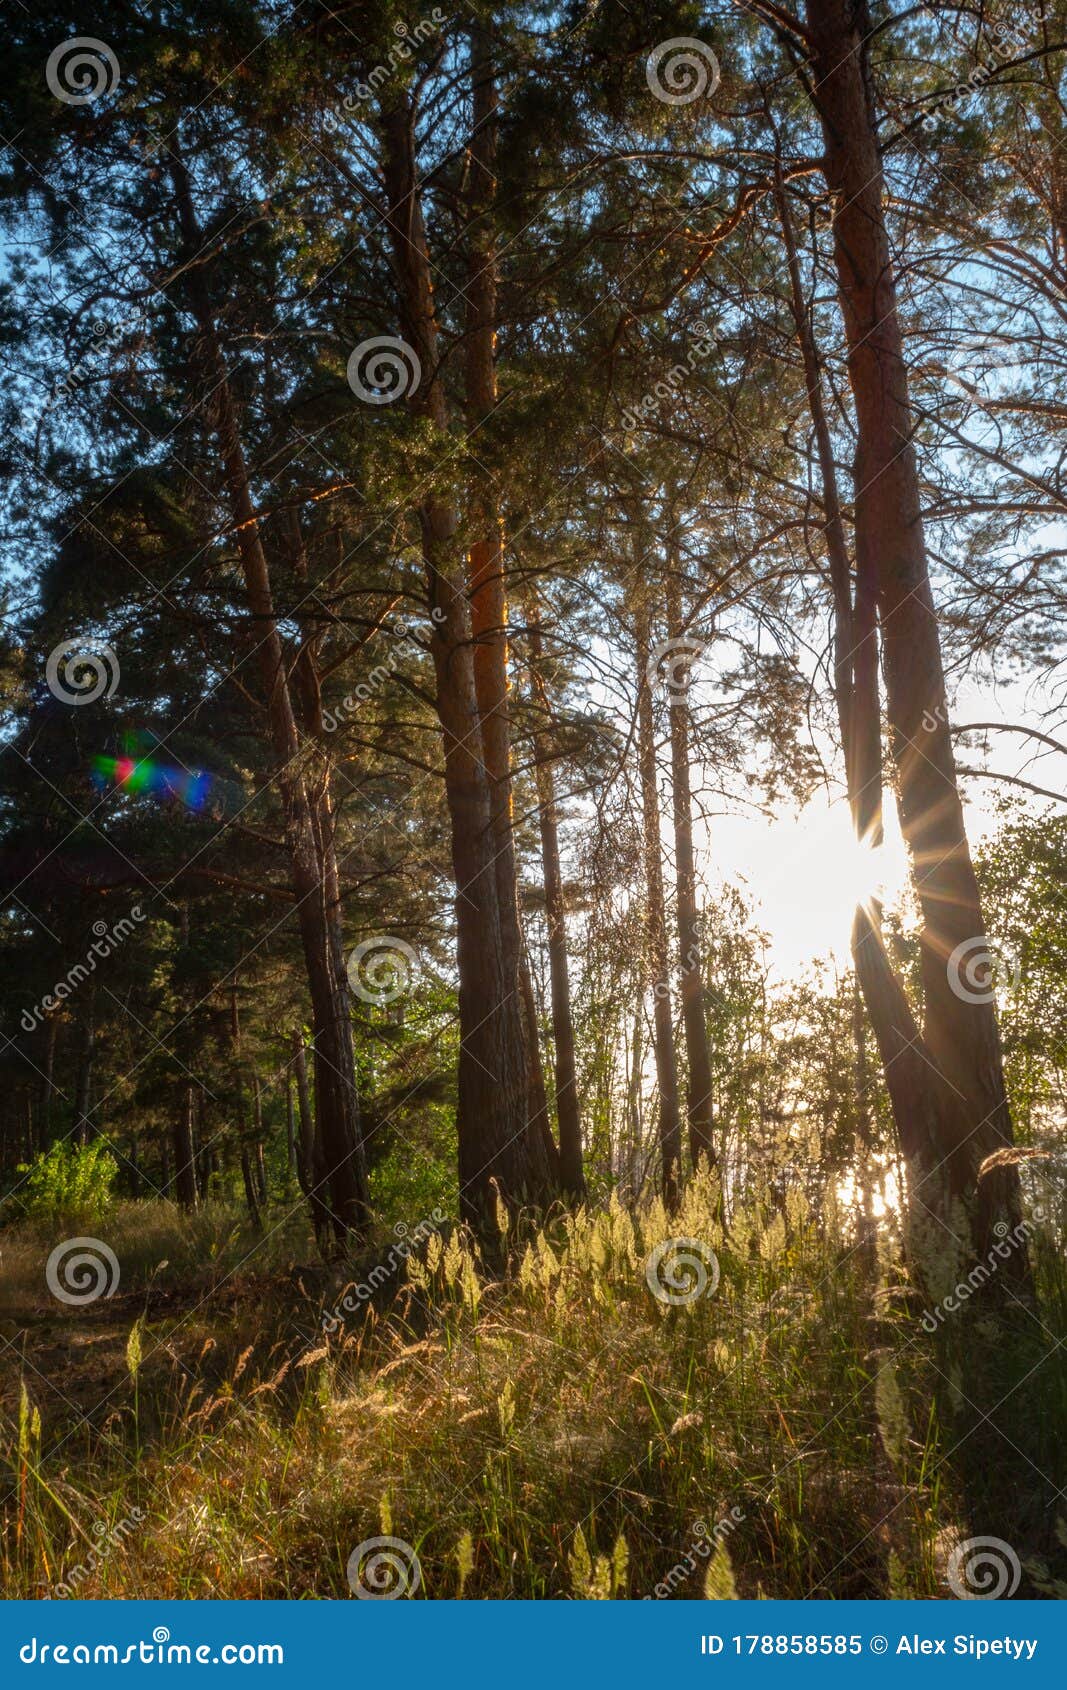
(487, 580)
(306, 1156)
(184, 1151)
(915, 1099)
(670, 1126)
(493, 1113)
(206, 1156)
(568, 1116)
(290, 1125)
(690, 945)
(257, 1117)
(855, 622)
(251, 1193)
(634, 1117)
(543, 1148)
(864, 1132)
(251, 1197)
(965, 1108)
(83, 1127)
(314, 882)
(48, 1086)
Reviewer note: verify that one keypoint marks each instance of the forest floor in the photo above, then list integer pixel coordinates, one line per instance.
(221, 1426)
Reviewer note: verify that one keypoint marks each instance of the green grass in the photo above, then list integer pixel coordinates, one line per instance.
(561, 1433)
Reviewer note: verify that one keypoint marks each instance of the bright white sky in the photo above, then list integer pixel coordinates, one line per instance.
(803, 872)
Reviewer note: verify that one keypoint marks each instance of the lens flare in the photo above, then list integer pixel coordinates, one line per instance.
(145, 775)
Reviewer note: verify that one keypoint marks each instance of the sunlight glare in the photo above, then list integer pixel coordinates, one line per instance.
(809, 873)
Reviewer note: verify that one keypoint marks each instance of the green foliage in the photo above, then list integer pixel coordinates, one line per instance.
(1022, 871)
(417, 1175)
(69, 1182)
(588, 1435)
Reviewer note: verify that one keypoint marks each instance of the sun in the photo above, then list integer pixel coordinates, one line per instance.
(855, 872)
(841, 874)
(808, 874)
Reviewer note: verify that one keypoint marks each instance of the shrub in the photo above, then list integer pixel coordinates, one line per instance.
(68, 1181)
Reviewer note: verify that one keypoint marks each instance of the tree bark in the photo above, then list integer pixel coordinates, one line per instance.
(670, 1126)
(48, 1084)
(966, 1107)
(690, 944)
(184, 1152)
(493, 1103)
(487, 579)
(83, 1128)
(568, 1115)
(314, 881)
(259, 1161)
(634, 1114)
(248, 1179)
(290, 1125)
